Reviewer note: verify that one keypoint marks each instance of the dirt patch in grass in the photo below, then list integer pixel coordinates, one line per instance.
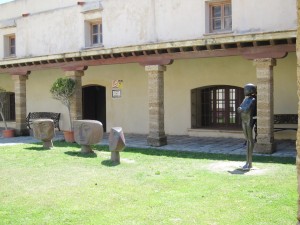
(235, 168)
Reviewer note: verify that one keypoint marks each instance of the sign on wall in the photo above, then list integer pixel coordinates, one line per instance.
(116, 93)
(117, 85)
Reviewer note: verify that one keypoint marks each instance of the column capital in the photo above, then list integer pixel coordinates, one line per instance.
(157, 68)
(264, 62)
(20, 72)
(19, 77)
(74, 73)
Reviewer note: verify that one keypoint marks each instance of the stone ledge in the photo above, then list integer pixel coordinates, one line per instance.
(215, 133)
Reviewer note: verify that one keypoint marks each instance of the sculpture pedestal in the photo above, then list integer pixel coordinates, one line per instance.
(116, 143)
(87, 133)
(43, 129)
(48, 144)
(115, 157)
(86, 149)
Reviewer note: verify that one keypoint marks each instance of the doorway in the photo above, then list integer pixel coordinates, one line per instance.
(94, 104)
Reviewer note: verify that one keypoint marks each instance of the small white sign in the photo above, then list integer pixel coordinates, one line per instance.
(116, 94)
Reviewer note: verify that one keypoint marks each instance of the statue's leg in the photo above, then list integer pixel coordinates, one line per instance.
(250, 148)
(245, 130)
(250, 145)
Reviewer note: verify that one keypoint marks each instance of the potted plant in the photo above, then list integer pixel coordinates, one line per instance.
(3, 97)
(62, 90)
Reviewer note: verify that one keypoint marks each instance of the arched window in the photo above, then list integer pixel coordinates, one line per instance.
(215, 107)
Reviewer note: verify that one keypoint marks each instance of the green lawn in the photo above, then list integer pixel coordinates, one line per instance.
(61, 186)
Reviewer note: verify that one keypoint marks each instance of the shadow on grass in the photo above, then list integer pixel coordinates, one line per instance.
(238, 172)
(60, 144)
(40, 148)
(209, 156)
(183, 154)
(79, 154)
(109, 163)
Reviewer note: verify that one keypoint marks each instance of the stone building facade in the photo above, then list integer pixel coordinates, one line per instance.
(153, 67)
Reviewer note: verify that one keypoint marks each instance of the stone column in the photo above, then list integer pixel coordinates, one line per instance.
(157, 135)
(265, 105)
(76, 101)
(20, 104)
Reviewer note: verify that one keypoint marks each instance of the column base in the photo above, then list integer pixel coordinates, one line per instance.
(157, 141)
(264, 148)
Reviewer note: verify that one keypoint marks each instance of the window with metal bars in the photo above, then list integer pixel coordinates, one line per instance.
(215, 107)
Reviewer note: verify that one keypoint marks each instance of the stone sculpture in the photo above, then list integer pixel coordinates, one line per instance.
(87, 133)
(248, 112)
(116, 143)
(43, 129)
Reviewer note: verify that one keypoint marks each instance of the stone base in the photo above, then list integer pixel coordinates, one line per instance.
(47, 144)
(86, 149)
(264, 148)
(157, 141)
(115, 157)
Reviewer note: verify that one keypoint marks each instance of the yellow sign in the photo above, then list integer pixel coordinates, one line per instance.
(118, 84)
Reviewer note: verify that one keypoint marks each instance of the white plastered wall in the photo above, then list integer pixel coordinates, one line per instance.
(57, 26)
(256, 16)
(131, 110)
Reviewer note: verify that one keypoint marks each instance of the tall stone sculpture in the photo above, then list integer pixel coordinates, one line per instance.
(116, 143)
(248, 115)
(43, 129)
(87, 133)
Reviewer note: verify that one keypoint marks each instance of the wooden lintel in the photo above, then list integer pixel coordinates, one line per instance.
(275, 52)
(273, 55)
(270, 51)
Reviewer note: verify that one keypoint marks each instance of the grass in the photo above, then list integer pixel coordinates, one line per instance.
(62, 186)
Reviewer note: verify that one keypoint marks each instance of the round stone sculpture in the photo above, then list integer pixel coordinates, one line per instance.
(43, 129)
(116, 143)
(87, 133)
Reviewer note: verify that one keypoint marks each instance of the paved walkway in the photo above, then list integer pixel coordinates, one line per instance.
(235, 146)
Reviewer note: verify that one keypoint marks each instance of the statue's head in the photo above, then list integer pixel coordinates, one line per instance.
(43, 129)
(249, 89)
(87, 132)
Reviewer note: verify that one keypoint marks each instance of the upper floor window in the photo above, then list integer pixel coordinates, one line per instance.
(9, 45)
(220, 16)
(93, 33)
(12, 45)
(96, 33)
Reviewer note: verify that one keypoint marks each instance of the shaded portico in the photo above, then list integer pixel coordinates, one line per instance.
(254, 47)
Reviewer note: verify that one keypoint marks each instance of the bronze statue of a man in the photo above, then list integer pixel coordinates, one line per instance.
(248, 115)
